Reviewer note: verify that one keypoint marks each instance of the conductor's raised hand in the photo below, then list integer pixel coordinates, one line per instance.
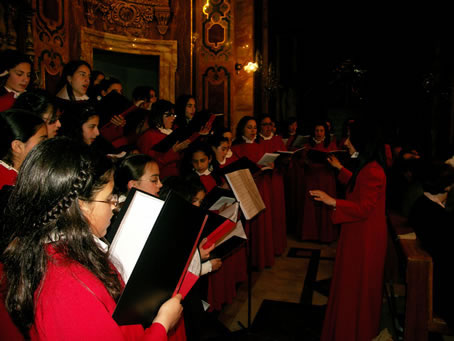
(318, 195)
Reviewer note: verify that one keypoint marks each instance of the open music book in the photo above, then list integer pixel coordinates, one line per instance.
(246, 192)
(153, 248)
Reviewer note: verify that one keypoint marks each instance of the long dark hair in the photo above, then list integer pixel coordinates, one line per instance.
(180, 109)
(37, 101)
(240, 129)
(366, 137)
(16, 124)
(74, 117)
(158, 109)
(43, 211)
(69, 70)
(198, 146)
(130, 168)
(9, 59)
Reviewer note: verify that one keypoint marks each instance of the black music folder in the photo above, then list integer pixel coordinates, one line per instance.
(153, 247)
(241, 163)
(319, 156)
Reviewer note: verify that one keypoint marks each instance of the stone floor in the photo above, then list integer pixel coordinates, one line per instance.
(300, 277)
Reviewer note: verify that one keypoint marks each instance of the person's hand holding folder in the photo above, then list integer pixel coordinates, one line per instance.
(170, 312)
(179, 146)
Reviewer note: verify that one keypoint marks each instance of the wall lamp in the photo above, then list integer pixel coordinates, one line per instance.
(249, 67)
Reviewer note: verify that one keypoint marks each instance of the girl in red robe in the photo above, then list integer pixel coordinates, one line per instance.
(161, 123)
(354, 303)
(315, 223)
(272, 143)
(261, 226)
(59, 281)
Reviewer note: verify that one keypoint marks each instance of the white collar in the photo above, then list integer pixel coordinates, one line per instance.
(223, 161)
(319, 141)
(355, 155)
(101, 244)
(247, 140)
(206, 172)
(8, 167)
(267, 138)
(165, 131)
(229, 154)
(16, 93)
(63, 94)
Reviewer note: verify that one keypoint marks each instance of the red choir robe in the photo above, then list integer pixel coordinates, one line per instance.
(278, 207)
(8, 175)
(260, 228)
(354, 303)
(315, 222)
(168, 162)
(7, 101)
(223, 282)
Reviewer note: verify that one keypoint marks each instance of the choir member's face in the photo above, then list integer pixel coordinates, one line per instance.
(90, 130)
(149, 181)
(250, 130)
(98, 79)
(229, 136)
(80, 80)
(198, 199)
(319, 133)
(52, 122)
(266, 127)
(221, 151)
(19, 77)
(115, 87)
(292, 128)
(168, 118)
(200, 161)
(149, 103)
(26, 147)
(98, 211)
(190, 109)
(348, 144)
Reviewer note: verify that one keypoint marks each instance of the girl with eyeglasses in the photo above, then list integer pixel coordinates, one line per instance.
(160, 121)
(58, 280)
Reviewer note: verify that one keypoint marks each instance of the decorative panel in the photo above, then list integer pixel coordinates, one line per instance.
(216, 91)
(128, 17)
(216, 28)
(50, 40)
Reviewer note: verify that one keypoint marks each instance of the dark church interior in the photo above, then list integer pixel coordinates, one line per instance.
(385, 69)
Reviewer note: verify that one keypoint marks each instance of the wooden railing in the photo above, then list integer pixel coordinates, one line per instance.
(418, 275)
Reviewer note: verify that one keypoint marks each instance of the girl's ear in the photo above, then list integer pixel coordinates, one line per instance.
(17, 147)
(131, 184)
(209, 159)
(83, 206)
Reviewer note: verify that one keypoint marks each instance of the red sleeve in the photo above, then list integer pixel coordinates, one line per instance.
(369, 185)
(344, 175)
(74, 305)
(146, 143)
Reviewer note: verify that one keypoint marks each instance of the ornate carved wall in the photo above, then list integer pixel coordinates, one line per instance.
(224, 38)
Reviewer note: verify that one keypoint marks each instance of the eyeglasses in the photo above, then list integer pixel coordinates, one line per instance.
(169, 114)
(112, 201)
(156, 180)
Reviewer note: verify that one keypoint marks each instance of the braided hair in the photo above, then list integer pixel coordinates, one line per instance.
(43, 211)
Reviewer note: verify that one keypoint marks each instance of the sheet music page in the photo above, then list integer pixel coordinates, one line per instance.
(133, 232)
(268, 158)
(246, 192)
(221, 201)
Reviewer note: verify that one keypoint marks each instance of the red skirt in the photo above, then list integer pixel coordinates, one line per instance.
(315, 223)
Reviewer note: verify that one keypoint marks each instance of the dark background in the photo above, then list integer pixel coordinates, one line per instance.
(404, 57)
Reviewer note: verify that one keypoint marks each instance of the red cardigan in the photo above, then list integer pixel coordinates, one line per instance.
(72, 304)
(8, 176)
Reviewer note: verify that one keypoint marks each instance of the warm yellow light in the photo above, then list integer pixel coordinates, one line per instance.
(251, 67)
(205, 8)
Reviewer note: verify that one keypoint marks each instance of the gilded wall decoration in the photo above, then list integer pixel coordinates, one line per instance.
(216, 27)
(50, 40)
(129, 17)
(216, 91)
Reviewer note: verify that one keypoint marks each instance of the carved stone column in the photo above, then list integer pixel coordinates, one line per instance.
(11, 35)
